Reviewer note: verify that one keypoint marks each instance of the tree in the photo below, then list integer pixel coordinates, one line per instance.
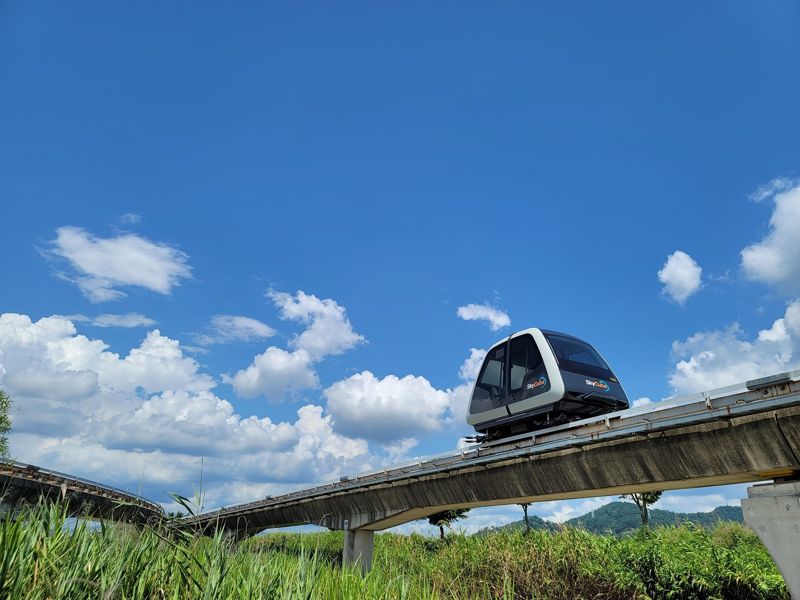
(5, 423)
(446, 518)
(642, 501)
(525, 506)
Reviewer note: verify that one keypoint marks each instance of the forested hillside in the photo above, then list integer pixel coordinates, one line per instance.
(623, 517)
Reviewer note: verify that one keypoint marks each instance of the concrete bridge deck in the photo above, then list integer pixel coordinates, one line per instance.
(22, 484)
(731, 435)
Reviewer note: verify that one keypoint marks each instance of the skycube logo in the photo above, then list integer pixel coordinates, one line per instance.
(537, 383)
(599, 384)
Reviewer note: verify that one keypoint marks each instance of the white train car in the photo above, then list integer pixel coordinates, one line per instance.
(536, 378)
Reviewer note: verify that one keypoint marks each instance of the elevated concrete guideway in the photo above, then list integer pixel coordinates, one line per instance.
(744, 433)
(22, 484)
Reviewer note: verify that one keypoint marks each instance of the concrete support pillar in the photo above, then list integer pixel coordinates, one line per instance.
(773, 511)
(358, 547)
(237, 536)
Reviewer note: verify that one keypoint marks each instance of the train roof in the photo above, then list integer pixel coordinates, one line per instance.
(544, 331)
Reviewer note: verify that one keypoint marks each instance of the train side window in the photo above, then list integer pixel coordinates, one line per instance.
(527, 373)
(490, 389)
(579, 357)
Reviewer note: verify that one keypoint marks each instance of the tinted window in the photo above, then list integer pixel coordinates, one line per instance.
(490, 389)
(578, 357)
(527, 373)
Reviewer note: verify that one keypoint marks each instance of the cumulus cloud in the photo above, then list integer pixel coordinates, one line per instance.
(233, 328)
(775, 260)
(100, 266)
(643, 401)
(386, 409)
(328, 330)
(394, 410)
(277, 372)
(274, 373)
(472, 365)
(496, 318)
(681, 276)
(151, 415)
(716, 358)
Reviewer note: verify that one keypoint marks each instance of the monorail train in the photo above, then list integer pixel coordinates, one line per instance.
(536, 378)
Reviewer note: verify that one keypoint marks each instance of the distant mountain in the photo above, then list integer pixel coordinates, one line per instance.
(621, 517)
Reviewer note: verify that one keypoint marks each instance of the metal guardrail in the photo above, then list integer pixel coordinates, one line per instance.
(39, 474)
(770, 393)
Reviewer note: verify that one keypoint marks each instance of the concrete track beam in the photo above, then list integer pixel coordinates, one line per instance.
(359, 545)
(773, 511)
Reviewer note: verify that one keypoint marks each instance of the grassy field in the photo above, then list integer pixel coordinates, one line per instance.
(40, 558)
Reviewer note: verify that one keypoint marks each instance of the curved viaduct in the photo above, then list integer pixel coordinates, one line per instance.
(22, 484)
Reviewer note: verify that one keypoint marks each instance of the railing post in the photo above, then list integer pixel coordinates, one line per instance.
(773, 511)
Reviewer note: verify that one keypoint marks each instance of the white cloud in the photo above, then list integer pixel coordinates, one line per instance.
(149, 416)
(561, 511)
(769, 189)
(233, 328)
(472, 365)
(130, 219)
(328, 330)
(386, 409)
(691, 503)
(275, 373)
(496, 318)
(460, 395)
(711, 359)
(128, 320)
(396, 410)
(157, 364)
(103, 265)
(775, 260)
(643, 401)
(681, 276)
(477, 519)
(398, 450)
(776, 333)
(278, 372)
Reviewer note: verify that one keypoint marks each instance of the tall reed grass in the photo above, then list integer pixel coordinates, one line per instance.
(43, 558)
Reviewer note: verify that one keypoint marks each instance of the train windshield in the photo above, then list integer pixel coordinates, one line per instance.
(578, 357)
(490, 388)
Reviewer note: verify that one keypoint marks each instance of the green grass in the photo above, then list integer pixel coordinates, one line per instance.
(40, 558)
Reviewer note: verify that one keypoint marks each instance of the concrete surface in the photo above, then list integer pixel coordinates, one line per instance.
(773, 511)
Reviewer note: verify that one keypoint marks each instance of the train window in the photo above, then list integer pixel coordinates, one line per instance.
(578, 357)
(527, 373)
(490, 389)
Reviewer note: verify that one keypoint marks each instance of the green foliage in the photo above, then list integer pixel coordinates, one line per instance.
(40, 558)
(446, 518)
(643, 501)
(5, 423)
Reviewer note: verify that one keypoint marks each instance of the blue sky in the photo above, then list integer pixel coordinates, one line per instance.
(394, 164)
